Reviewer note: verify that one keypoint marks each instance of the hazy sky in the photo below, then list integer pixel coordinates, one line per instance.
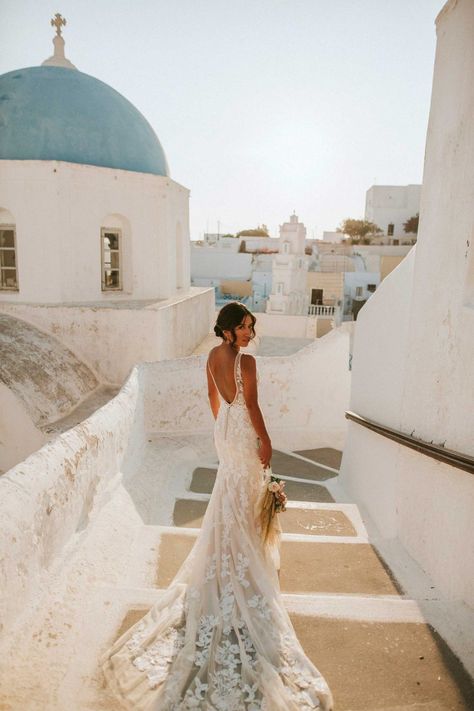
(262, 106)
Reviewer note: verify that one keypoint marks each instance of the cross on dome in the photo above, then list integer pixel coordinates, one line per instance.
(58, 21)
(58, 59)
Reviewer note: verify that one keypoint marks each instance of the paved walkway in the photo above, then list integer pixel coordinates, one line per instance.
(368, 638)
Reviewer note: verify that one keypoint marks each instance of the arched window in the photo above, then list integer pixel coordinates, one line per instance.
(8, 253)
(115, 254)
(111, 250)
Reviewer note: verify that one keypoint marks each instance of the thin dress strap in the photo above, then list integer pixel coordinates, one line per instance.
(212, 376)
(238, 372)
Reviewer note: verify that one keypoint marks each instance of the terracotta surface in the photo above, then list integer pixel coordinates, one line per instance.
(188, 513)
(203, 481)
(334, 568)
(305, 567)
(378, 666)
(316, 522)
(385, 666)
(324, 455)
(286, 465)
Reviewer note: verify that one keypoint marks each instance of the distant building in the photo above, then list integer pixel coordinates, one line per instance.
(289, 269)
(258, 245)
(389, 207)
(333, 237)
(219, 241)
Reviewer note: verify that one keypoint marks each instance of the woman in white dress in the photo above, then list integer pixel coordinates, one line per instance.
(219, 638)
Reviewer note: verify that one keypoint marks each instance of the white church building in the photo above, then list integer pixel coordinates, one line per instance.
(289, 271)
(94, 232)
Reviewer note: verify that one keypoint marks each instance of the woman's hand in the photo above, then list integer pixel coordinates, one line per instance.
(265, 452)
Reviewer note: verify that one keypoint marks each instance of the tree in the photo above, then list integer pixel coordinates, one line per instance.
(228, 235)
(260, 231)
(358, 229)
(411, 225)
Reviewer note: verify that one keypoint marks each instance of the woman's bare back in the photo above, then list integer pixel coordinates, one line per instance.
(221, 364)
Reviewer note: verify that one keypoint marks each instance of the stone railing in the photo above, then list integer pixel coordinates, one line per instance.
(320, 310)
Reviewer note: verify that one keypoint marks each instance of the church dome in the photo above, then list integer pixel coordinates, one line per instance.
(57, 113)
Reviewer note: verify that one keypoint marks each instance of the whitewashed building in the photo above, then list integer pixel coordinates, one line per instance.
(289, 270)
(390, 206)
(94, 233)
(409, 454)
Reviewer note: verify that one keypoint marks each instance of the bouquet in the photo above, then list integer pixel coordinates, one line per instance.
(273, 500)
(276, 486)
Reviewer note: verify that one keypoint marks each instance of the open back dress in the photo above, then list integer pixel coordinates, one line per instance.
(219, 638)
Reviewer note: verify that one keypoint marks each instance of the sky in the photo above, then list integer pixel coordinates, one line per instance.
(262, 106)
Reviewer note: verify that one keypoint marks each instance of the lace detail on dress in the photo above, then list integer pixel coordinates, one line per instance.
(219, 638)
(157, 658)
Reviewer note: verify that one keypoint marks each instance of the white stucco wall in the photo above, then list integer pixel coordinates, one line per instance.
(59, 209)
(354, 279)
(19, 436)
(412, 365)
(392, 204)
(378, 364)
(111, 340)
(47, 500)
(211, 262)
(303, 396)
(281, 325)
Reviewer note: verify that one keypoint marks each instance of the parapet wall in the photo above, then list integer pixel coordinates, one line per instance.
(48, 499)
(414, 343)
(303, 396)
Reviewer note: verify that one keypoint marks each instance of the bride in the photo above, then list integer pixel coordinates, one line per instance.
(219, 638)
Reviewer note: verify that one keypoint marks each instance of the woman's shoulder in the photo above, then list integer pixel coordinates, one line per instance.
(247, 361)
(212, 353)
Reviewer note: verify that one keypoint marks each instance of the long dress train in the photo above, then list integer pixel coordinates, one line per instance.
(219, 638)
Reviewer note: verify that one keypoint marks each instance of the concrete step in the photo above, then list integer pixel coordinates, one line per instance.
(323, 455)
(306, 567)
(285, 464)
(378, 666)
(203, 480)
(384, 666)
(204, 477)
(189, 513)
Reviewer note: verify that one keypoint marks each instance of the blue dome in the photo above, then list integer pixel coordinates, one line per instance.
(53, 113)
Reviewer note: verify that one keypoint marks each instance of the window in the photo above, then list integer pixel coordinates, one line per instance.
(316, 296)
(280, 288)
(286, 248)
(359, 292)
(371, 287)
(8, 270)
(111, 244)
(390, 229)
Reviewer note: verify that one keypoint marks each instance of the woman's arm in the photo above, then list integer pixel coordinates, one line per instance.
(249, 376)
(212, 393)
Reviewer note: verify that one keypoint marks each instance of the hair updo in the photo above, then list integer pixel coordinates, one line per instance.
(229, 317)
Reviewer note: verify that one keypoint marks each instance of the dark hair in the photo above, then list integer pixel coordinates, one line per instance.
(230, 316)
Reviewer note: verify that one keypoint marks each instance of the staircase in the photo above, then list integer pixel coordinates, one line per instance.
(368, 638)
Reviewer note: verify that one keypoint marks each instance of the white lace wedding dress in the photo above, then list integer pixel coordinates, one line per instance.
(219, 638)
